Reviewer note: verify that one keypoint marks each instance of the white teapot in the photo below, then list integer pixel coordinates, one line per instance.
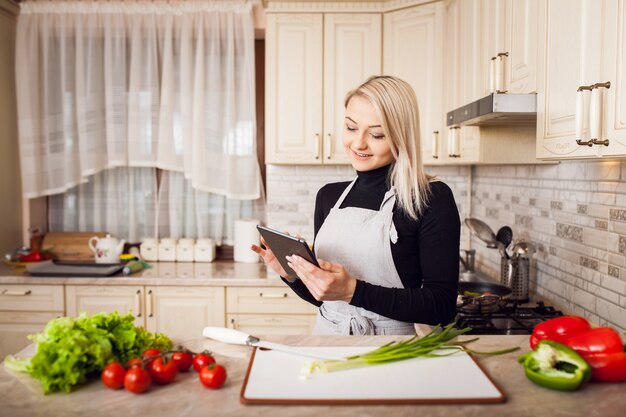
(107, 250)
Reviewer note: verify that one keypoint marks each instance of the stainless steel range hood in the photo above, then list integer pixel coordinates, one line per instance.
(496, 110)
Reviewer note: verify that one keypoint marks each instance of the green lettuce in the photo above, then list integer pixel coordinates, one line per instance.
(70, 351)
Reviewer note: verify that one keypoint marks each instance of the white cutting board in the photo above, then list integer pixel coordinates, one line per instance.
(275, 378)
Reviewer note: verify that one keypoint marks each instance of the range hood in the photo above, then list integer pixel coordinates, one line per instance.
(496, 109)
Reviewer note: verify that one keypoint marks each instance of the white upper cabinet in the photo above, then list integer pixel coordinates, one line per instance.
(312, 60)
(580, 109)
(614, 117)
(413, 51)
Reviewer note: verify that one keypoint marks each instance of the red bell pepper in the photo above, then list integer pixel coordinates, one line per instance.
(558, 329)
(598, 340)
(608, 367)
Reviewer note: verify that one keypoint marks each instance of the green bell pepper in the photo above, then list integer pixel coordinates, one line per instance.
(556, 366)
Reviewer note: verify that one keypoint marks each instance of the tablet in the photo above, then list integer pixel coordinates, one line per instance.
(284, 245)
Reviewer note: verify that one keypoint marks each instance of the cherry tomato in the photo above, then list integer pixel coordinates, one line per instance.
(182, 360)
(162, 372)
(134, 363)
(148, 353)
(113, 375)
(213, 376)
(137, 380)
(201, 360)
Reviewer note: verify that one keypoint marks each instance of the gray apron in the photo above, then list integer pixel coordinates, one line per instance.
(360, 240)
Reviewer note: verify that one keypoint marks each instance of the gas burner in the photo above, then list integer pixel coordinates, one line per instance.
(510, 318)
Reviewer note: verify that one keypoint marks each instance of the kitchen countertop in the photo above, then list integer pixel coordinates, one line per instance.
(21, 396)
(218, 273)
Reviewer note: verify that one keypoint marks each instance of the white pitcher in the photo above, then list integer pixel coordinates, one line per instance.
(107, 250)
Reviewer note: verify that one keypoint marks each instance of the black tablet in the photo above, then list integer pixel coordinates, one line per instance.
(284, 245)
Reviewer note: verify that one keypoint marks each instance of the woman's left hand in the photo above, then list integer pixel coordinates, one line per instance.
(329, 282)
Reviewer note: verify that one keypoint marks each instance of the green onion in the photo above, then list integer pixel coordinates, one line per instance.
(414, 347)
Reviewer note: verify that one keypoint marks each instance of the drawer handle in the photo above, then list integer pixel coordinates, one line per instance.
(18, 293)
(273, 295)
(138, 303)
(149, 302)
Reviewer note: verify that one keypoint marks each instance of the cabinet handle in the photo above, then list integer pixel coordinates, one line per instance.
(273, 295)
(595, 114)
(492, 75)
(231, 324)
(318, 145)
(330, 146)
(149, 303)
(454, 142)
(435, 150)
(499, 70)
(15, 292)
(138, 302)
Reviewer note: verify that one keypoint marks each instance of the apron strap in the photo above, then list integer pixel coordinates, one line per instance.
(344, 194)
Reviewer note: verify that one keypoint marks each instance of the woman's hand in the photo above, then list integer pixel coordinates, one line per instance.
(270, 259)
(329, 282)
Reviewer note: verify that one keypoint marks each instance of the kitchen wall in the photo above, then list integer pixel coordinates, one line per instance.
(10, 188)
(573, 212)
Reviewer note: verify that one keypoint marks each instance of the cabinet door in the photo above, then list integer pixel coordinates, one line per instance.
(182, 312)
(264, 324)
(293, 89)
(419, 29)
(352, 44)
(473, 65)
(615, 65)
(573, 41)
(16, 326)
(493, 37)
(97, 299)
(521, 44)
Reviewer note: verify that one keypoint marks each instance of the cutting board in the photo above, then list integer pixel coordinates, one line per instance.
(275, 378)
(71, 246)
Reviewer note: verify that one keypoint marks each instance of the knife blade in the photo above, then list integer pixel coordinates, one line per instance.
(236, 337)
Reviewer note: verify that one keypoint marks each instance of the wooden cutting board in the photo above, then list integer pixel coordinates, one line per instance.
(275, 378)
(71, 246)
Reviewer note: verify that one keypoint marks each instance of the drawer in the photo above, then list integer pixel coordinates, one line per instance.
(274, 300)
(32, 298)
(258, 324)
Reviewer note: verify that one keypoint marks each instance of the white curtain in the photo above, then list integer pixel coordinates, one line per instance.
(121, 201)
(105, 86)
(113, 84)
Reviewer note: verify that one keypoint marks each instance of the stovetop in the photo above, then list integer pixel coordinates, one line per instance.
(506, 320)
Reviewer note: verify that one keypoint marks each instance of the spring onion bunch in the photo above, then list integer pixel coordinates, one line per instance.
(437, 340)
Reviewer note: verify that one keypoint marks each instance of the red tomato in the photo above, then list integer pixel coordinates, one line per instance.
(134, 363)
(162, 372)
(137, 380)
(213, 376)
(113, 375)
(201, 360)
(151, 353)
(610, 367)
(182, 360)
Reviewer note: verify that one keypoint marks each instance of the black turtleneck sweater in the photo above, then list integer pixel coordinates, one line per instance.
(426, 254)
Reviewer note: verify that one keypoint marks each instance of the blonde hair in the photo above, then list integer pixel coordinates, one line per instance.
(396, 105)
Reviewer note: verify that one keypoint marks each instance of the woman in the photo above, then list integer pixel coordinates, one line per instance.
(388, 242)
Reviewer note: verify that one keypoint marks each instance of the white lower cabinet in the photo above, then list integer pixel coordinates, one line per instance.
(268, 310)
(25, 310)
(179, 312)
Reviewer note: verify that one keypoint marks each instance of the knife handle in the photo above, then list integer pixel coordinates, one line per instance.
(223, 334)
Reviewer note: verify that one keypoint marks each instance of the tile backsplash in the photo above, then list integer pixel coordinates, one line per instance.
(573, 212)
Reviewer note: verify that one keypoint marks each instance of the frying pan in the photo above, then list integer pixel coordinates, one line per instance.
(498, 293)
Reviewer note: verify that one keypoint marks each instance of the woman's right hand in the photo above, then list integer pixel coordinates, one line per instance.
(270, 260)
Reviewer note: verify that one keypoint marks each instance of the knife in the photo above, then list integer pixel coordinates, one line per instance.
(236, 337)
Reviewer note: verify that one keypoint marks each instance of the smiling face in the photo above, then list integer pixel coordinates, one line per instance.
(363, 136)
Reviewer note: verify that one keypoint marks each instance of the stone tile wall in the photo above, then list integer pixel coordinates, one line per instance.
(573, 212)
